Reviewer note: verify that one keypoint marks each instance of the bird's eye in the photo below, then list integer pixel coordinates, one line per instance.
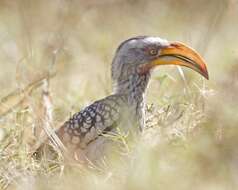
(153, 52)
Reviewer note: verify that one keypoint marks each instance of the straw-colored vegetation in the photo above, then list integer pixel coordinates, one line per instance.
(191, 137)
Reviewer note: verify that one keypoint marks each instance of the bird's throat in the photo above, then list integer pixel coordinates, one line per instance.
(134, 89)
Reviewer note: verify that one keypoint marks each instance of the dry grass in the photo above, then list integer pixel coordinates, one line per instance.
(191, 137)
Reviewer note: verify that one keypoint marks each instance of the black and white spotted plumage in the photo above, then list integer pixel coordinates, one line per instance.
(90, 124)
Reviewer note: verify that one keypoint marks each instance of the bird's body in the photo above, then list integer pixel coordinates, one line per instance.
(84, 134)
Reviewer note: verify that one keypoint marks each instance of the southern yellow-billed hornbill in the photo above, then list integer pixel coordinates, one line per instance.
(84, 133)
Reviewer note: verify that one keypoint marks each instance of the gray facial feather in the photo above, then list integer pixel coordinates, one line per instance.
(130, 54)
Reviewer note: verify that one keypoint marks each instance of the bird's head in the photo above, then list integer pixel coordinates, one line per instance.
(140, 55)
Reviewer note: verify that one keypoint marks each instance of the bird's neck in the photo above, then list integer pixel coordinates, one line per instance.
(134, 89)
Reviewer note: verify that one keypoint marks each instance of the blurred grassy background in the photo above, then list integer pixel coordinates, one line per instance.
(194, 145)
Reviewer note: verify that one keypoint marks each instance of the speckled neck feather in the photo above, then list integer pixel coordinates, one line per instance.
(134, 89)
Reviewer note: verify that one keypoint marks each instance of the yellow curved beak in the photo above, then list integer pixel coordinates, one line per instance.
(180, 54)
